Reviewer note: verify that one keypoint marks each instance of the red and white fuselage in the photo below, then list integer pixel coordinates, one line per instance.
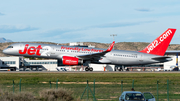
(74, 55)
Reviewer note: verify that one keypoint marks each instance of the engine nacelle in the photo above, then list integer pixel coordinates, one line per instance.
(67, 60)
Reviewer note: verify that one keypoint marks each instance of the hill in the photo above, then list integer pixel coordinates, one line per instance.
(3, 40)
(133, 46)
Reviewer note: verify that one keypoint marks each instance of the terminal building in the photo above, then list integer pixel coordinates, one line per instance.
(23, 64)
(9, 63)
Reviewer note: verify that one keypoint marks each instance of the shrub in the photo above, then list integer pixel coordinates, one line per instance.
(23, 96)
(44, 95)
(56, 95)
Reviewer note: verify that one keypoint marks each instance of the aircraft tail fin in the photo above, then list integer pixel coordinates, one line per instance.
(110, 47)
(160, 44)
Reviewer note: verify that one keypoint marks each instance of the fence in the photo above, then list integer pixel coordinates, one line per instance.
(162, 90)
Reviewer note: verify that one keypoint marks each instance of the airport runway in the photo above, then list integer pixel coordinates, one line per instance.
(86, 72)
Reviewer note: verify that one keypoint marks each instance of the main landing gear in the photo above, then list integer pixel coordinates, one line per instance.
(88, 69)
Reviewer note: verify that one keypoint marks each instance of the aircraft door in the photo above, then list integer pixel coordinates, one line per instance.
(53, 51)
(140, 58)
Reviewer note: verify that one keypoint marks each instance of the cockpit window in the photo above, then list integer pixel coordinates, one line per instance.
(10, 47)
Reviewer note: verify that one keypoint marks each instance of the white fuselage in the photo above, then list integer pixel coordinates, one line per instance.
(118, 57)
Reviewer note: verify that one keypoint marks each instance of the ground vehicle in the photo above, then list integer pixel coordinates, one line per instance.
(172, 68)
(136, 96)
(61, 69)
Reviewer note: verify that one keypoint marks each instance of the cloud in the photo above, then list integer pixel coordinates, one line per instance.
(120, 24)
(61, 32)
(13, 29)
(143, 10)
(1, 14)
(56, 32)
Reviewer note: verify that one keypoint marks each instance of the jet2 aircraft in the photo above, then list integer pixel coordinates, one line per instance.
(75, 55)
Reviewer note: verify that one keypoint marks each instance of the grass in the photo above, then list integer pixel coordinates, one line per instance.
(34, 78)
(32, 82)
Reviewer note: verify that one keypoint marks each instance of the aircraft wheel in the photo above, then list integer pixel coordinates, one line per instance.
(91, 69)
(86, 69)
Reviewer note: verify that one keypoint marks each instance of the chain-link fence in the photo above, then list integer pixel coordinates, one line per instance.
(162, 90)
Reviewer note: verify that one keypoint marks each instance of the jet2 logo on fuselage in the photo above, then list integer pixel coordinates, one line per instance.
(31, 50)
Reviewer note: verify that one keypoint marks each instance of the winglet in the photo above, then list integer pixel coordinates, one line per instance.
(160, 44)
(110, 47)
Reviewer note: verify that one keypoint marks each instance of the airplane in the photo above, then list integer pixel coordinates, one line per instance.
(76, 55)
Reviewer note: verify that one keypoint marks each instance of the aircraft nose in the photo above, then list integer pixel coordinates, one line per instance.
(5, 51)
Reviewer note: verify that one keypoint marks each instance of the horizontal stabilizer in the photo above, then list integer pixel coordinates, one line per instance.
(162, 58)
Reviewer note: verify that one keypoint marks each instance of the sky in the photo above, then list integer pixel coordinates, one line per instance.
(64, 21)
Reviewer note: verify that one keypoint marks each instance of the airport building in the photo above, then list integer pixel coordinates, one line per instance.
(25, 64)
(172, 65)
(39, 65)
(9, 63)
(21, 64)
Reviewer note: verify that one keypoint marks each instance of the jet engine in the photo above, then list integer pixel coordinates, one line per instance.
(67, 60)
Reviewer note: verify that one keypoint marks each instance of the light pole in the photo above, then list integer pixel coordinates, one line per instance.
(113, 36)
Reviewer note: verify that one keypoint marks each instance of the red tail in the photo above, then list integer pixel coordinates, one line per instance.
(110, 47)
(160, 45)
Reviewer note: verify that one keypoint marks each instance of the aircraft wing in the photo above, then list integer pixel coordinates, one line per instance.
(96, 55)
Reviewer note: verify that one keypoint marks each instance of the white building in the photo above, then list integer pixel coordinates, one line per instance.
(20, 64)
(80, 44)
(102, 67)
(170, 65)
(11, 63)
(38, 65)
(76, 44)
